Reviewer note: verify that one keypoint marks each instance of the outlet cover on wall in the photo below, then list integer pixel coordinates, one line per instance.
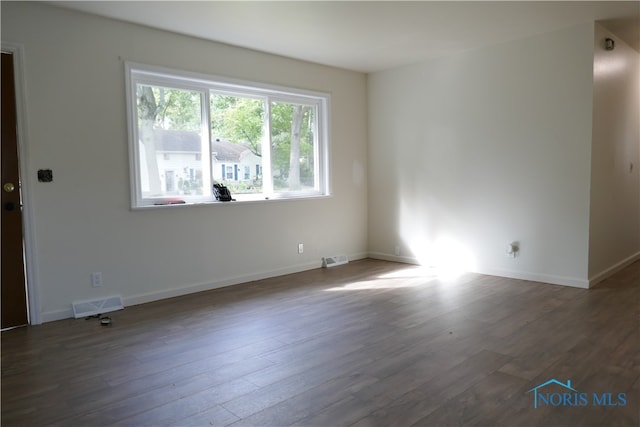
(96, 279)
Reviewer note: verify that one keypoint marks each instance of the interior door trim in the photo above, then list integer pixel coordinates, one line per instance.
(31, 276)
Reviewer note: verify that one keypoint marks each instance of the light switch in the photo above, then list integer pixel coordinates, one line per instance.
(45, 175)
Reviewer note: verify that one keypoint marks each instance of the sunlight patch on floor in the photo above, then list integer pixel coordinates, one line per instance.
(384, 283)
(409, 272)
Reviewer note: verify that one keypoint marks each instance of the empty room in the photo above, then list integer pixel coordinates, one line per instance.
(320, 213)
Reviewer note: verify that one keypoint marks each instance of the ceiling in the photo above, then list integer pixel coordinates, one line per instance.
(367, 36)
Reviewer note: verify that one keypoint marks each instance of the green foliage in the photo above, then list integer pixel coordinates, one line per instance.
(244, 187)
(174, 109)
(283, 118)
(238, 120)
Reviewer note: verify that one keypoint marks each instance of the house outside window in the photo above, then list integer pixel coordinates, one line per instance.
(264, 142)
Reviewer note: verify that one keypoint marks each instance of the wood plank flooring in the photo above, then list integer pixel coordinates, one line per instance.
(371, 343)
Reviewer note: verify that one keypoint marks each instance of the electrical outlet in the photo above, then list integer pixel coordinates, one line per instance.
(512, 249)
(300, 248)
(96, 279)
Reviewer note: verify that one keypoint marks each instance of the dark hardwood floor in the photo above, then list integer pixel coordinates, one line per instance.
(371, 343)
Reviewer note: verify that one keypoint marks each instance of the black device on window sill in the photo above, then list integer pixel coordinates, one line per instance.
(222, 193)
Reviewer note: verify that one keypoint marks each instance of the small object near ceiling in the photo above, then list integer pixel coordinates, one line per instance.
(609, 44)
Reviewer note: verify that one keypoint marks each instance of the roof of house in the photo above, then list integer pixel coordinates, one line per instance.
(181, 141)
(229, 151)
(176, 140)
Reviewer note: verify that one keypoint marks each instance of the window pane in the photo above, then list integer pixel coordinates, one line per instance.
(237, 125)
(169, 141)
(293, 128)
(259, 141)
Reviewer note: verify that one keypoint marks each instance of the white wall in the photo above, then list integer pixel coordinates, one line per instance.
(77, 127)
(472, 151)
(614, 238)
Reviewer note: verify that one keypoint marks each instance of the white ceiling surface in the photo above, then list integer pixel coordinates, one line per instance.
(367, 36)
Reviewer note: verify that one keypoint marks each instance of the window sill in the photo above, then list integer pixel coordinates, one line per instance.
(241, 199)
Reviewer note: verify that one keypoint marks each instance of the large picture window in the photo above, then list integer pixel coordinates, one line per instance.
(189, 132)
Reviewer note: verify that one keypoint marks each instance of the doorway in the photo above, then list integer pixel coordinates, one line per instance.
(14, 310)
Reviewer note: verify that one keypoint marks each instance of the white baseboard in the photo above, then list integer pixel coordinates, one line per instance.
(594, 280)
(393, 258)
(207, 286)
(521, 275)
(573, 282)
(51, 316)
(230, 281)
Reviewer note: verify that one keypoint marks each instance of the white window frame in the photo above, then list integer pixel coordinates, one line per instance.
(206, 84)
